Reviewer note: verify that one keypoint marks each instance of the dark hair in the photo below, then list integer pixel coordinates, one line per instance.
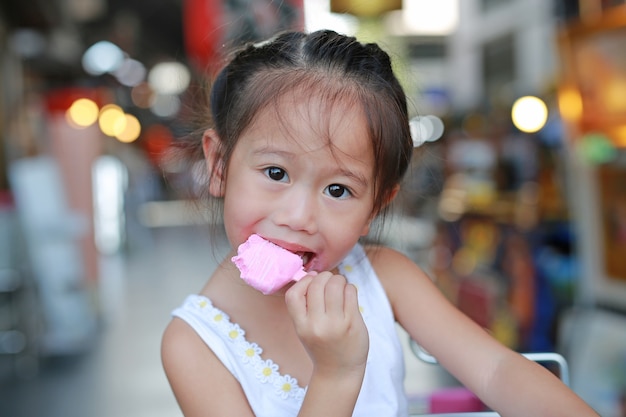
(325, 62)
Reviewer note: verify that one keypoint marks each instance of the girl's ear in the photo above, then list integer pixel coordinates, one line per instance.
(214, 163)
(392, 196)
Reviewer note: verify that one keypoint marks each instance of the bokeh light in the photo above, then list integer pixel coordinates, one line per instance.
(570, 104)
(529, 114)
(131, 131)
(425, 129)
(82, 113)
(112, 120)
(165, 105)
(102, 57)
(130, 73)
(169, 78)
(142, 95)
(596, 148)
(27, 42)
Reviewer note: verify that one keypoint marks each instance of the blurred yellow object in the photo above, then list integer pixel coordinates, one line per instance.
(131, 130)
(570, 104)
(504, 328)
(112, 120)
(82, 113)
(364, 8)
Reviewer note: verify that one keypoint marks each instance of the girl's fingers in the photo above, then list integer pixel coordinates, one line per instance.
(326, 316)
(351, 301)
(296, 298)
(315, 296)
(324, 303)
(334, 294)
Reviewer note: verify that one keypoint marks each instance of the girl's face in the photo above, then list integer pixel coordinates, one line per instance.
(288, 183)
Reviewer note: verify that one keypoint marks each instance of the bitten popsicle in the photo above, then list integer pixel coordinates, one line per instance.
(266, 266)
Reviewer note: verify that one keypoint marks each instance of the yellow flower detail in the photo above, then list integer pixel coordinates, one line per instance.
(348, 268)
(361, 309)
(233, 334)
(218, 317)
(267, 371)
(286, 387)
(249, 352)
(203, 303)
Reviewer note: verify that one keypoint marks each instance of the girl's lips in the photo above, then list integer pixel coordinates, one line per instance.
(303, 252)
(291, 247)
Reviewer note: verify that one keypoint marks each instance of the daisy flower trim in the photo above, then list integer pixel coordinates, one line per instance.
(265, 370)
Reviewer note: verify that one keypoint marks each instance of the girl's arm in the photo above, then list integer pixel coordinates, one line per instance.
(504, 380)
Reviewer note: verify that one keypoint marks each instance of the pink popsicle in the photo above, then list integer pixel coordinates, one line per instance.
(265, 266)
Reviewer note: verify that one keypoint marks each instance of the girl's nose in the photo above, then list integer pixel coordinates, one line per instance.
(297, 210)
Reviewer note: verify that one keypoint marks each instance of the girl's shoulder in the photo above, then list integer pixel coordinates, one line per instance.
(198, 378)
(391, 265)
(403, 280)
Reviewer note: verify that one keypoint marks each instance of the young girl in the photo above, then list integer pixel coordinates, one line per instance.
(309, 142)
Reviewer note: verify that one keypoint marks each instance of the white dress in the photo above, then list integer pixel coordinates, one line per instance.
(273, 394)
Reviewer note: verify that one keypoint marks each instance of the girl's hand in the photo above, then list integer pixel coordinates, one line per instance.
(325, 312)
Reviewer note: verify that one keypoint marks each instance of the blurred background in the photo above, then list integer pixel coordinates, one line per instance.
(515, 204)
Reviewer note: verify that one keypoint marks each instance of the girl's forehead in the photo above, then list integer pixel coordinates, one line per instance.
(313, 120)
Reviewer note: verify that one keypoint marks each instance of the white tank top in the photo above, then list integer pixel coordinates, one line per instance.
(273, 394)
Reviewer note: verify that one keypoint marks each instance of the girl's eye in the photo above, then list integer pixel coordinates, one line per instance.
(276, 174)
(338, 191)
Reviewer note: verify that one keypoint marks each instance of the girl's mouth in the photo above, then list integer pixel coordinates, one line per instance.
(306, 257)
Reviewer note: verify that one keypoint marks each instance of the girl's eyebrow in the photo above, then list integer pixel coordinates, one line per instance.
(359, 178)
(268, 149)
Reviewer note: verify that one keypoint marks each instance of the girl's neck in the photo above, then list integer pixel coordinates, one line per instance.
(231, 294)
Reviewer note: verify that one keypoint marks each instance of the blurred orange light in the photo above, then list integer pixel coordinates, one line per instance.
(619, 136)
(615, 93)
(570, 104)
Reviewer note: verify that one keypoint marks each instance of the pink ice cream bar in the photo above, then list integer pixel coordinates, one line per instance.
(265, 266)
